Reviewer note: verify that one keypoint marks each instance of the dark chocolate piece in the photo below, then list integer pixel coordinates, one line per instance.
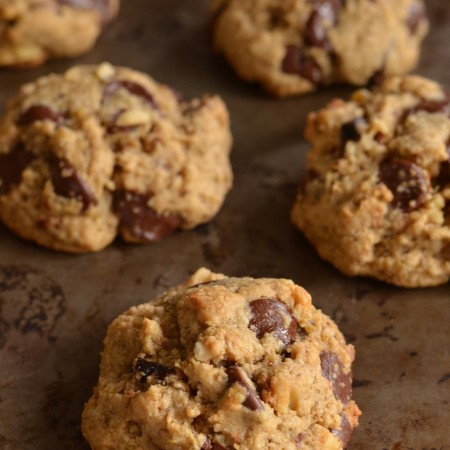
(149, 369)
(407, 182)
(315, 34)
(39, 112)
(269, 316)
(328, 9)
(12, 165)
(443, 178)
(345, 431)
(236, 375)
(132, 88)
(432, 106)
(298, 440)
(297, 63)
(333, 371)
(377, 78)
(350, 131)
(141, 221)
(416, 16)
(112, 127)
(68, 183)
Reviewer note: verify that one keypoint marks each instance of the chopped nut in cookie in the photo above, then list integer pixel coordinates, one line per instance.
(229, 370)
(377, 203)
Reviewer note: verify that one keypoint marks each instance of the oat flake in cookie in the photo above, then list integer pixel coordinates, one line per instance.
(32, 31)
(101, 151)
(296, 46)
(376, 199)
(223, 363)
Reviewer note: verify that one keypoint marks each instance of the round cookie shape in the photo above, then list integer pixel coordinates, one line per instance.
(223, 363)
(103, 150)
(33, 31)
(293, 47)
(376, 198)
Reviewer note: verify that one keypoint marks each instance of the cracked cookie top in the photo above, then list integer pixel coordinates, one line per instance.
(32, 31)
(103, 150)
(224, 363)
(296, 46)
(376, 199)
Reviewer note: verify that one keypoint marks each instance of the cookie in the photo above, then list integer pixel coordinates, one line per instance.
(376, 199)
(103, 150)
(32, 31)
(223, 363)
(296, 46)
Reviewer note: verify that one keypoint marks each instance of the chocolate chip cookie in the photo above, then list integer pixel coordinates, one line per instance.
(223, 363)
(376, 198)
(104, 150)
(32, 31)
(296, 46)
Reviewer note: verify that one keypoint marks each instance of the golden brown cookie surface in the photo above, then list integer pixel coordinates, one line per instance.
(32, 31)
(103, 150)
(376, 199)
(224, 363)
(296, 46)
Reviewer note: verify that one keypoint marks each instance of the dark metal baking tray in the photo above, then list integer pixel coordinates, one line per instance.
(54, 308)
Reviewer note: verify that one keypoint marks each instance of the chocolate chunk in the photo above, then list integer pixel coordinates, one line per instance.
(328, 9)
(141, 221)
(296, 62)
(102, 6)
(277, 17)
(209, 445)
(12, 165)
(345, 431)
(270, 316)
(132, 88)
(68, 183)
(39, 112)
(236, 375)
(112, 127)
(377, 78)
(315, 34)
(350, 132)
(298, 440)
(149, 369)
(432, 106)
(416, 16)
(379, 137)
(407, 181)
(333, 371)
(443, 178)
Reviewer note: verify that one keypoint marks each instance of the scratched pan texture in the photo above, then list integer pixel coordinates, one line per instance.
(54, 308)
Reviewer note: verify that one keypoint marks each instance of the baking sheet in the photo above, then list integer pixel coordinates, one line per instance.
(54, 308)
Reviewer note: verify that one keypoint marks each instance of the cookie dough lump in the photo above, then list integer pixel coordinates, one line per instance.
(32, 31)
(101, 151)
(376, 198)
(224, 363)
(296, 46)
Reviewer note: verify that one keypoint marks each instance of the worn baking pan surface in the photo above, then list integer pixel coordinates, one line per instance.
(54, 308)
